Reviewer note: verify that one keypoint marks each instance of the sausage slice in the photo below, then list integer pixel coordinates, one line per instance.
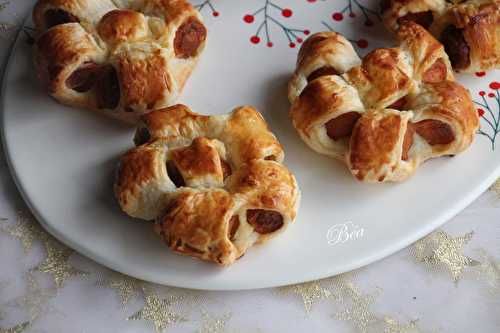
(342, 126)
(108, 88)
(226, 169)
(188, 38)
(142, 136)
(233, 225)
(264, 221)
(174, 174)
(399, 104)
(322, 71)
(408, 141)
(435, 132)
(436, 73)
(456, 47)
(424, 19)
(84, 77)
(56, 16)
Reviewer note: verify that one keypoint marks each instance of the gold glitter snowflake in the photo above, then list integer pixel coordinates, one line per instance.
(489, 271)
(495, 188)
(310, 292)
(394, 326)
(442, 250)
(358, 310)
(359, 313)
(16, 329)
(126, 287)
(36, 299)
(56, 263)
(213, 324)
(26, 229)
(156, 310)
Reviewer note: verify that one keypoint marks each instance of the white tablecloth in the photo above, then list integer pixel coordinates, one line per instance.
(447, 282)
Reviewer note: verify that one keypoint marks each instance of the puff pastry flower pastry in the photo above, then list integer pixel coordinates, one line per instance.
(469, 30)
(383, 115)
(127, 56)
(215, 185)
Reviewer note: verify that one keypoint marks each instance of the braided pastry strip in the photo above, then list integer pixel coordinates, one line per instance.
(125, 56)
(469, 30)
(385, 115)
(216, 185)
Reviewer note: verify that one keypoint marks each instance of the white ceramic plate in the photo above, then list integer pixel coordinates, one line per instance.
(63, 159)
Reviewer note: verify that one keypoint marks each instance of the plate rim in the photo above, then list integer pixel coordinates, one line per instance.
(386, 251)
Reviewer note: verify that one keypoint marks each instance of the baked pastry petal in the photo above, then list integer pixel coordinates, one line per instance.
(324, 53)
(376, 152)
(469, 30)
(214, 184)
(383, 118)
(127, 57)
(389, 145)
(325, 114)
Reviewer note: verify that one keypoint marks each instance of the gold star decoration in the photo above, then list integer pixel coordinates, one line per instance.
(442, 250)
(310, 292)
(157, 310)
(126, 287)
(394, 326)
(351, 304)
(357, 310)
(26, 229)
(56, 263)
(213, 324)
(489, 271)
(495, 188)
(16, 329)
(36, 299)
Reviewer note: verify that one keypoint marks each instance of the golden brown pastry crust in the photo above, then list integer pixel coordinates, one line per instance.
(478, 21)
(127, 57)
(385, 117)
(323, 49)
(207, 180)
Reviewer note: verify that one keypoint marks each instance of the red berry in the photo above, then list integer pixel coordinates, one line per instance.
(292, 45)
(270, 44)
(287, 12)
(482, 93)
(255, 39)
(368, 23)
(362, 43)
(352, 15)
(480, 74)
(495, 85)
(491, 95)
(300, 40)
(311, 1)
(338, 16)
(480, 112)
(215, 14)
(248, 18)
(306, 32)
